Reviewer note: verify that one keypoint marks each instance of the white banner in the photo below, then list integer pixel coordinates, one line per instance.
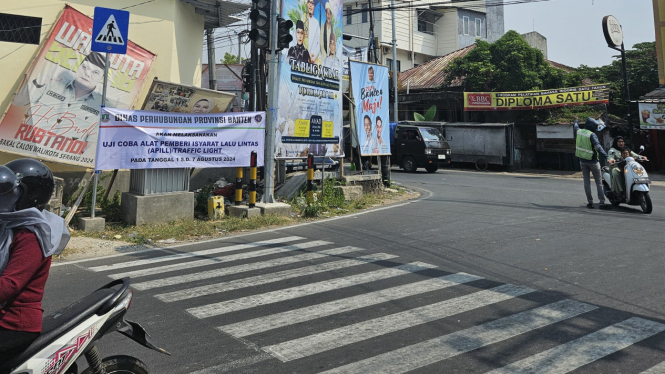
(369, 85)
(137, 139)
(652, 116)
(555, 132)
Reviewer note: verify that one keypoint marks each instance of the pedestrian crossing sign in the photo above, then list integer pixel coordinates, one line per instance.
(109, 30)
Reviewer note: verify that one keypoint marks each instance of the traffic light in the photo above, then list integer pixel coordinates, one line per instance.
(284, 37)
(247, 76)
(260, 16)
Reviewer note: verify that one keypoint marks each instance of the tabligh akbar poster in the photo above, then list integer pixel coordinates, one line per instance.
(54, 116)
(369, 84)
(309, 114)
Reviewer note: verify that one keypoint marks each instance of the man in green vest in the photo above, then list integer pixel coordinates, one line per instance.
(587, 149)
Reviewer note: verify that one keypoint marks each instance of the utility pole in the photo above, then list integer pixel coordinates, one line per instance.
(371, 49)
(395, 118)
(212, 65)
(271, 113)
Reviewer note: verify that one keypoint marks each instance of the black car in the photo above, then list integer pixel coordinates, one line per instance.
(415, 146)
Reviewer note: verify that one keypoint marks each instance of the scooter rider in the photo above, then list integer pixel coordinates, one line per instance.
(587, 149)
(29, 236)
(618, 182)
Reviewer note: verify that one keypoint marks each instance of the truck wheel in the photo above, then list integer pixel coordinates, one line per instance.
(482, 164)
(409, 164)
(432, 168)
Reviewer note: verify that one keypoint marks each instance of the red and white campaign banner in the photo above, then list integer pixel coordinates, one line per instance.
(54, 115)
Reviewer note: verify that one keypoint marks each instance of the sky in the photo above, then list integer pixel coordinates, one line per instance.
(573, 28)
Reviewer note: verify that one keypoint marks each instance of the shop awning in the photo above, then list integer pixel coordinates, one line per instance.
(219, 13)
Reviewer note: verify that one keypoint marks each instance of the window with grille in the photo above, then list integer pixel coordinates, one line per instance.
(365, 14)
(349, 15)
(389, 62)
(426, 21)
(465, 21)
(479, 27)
(20, 29)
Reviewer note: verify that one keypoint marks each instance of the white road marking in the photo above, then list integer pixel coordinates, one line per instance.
(235, 365)
(218, 260)
(438, 349)
(242, 303)
(658, 369)
(269, 278)
(572, 355)
(331, 339)
(215, 273)
(291, 317)
(154, 260)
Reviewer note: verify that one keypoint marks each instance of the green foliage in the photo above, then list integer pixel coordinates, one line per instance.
(642, 69)
(111, 209)
(229, 59)
(427, 117)
(327, 198)
(509, 64)
(201, 203)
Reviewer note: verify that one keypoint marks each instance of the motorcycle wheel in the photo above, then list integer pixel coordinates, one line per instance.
(645, 202)
(122, 365)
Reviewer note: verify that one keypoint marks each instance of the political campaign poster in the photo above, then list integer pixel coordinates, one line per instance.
(369, 85)
(309, 110)
(652, 116)
(357, 54)
(179, 98)
(54, 116)
(139, 139)
(530, 100)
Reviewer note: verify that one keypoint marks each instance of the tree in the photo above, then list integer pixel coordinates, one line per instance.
(229, 59)
(642, 68)
(509, 64)
(427, 117)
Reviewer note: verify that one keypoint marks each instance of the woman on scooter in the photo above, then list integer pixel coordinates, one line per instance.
(618, 183)
(29, 236)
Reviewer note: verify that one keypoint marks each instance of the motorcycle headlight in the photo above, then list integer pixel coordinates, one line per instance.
(638, 170)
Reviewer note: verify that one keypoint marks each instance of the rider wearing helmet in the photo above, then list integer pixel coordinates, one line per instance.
(29, 236)
(618, 182)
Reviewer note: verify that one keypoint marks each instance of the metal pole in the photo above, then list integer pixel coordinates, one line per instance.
(627, 94)
(212, 64)
(255, 63)
(392, 5)
(239, 41)
(94, 186)
(271, 115)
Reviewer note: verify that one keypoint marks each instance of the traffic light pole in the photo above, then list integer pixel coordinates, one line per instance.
(271, 115)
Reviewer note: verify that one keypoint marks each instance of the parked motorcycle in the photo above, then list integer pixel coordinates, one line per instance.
(75, 330)
(637, 185)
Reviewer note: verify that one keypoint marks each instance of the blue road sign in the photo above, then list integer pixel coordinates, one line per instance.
(109, 30)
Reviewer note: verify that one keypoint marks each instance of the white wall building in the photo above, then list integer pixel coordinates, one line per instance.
(424, 28)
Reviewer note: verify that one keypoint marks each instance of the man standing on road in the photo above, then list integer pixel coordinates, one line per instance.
(587, 148)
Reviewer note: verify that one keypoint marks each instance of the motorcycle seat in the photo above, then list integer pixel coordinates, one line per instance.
(60, 322)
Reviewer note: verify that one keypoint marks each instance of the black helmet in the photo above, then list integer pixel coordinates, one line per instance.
(36, 180)
(10, 190)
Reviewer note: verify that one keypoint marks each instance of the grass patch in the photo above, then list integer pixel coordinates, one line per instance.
(328, 204)
(194, 229)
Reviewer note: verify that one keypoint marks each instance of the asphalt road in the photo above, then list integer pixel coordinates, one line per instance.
(484, 272)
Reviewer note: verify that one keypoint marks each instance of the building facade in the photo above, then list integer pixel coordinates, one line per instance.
(424, 28)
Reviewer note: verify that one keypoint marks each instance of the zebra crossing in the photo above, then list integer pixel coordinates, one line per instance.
(287, 270)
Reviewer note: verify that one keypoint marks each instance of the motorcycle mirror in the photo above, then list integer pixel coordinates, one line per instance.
(641, 148)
